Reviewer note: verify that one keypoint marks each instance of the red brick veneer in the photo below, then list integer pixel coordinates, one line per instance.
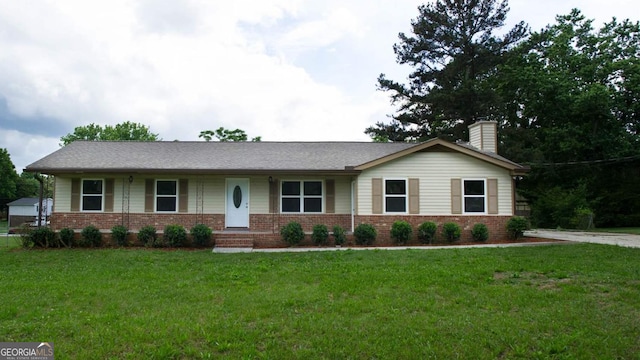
(265, 228)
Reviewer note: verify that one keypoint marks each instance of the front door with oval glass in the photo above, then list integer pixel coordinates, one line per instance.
(237, 203)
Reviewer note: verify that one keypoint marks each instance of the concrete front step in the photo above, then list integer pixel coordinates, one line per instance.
(233, 244)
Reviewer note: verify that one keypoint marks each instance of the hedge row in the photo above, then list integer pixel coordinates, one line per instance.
(90, 236)
(401, 232)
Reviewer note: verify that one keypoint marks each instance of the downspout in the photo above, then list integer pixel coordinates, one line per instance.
(353, 204)
(40, 198)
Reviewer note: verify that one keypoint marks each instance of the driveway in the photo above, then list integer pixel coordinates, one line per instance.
(626, 240)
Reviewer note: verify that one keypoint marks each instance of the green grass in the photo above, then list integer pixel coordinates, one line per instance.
(624, 230)
(559, 301)
(4, 226)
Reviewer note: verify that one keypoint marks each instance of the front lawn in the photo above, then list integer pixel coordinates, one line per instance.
(555, 301)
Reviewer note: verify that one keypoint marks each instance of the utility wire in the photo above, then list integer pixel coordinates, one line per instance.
(586, 162)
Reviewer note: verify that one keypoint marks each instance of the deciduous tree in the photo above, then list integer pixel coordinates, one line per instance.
(224, 135)
(123, 131)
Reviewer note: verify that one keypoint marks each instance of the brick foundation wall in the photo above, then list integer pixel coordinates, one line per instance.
(265, 228)
(105, 221)
(383, 223)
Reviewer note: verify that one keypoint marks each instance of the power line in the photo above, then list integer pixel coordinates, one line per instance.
(586, 162)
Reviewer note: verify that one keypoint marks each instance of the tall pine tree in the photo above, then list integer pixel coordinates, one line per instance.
(453, 50)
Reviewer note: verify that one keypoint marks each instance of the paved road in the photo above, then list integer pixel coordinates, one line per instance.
(626, 240)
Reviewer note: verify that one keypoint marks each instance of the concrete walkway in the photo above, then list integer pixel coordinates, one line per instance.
(310, 249)
(626, 240)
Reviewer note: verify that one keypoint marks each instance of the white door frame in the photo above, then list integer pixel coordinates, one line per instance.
(237, 217)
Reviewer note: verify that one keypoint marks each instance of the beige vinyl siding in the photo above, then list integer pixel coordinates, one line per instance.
(475, 138)
(489, 141)
(259, 192)
(62, 194)
(435, 171)
(211, 187)
(343, 195)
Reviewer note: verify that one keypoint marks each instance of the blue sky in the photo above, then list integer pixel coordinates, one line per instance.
(282, 69)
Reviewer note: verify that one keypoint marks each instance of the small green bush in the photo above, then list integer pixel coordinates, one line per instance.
(201, 235)
(480, 232)
(339, 235)
(401, 232)
(175, 235)
(516, 227)
(320, 235)
(365, 234)
(148, 236)
(91, 236)
(583, 218)
(451, 231)
(292, 233)
(44, 237)
(25, 236)
(119, 235)
(427, 232)
(67, 237)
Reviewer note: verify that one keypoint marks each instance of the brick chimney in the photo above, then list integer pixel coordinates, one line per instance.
(484, 136)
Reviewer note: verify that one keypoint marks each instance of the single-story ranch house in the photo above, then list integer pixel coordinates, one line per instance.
(252, 189)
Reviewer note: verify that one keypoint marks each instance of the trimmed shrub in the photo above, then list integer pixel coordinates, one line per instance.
(451, 231)
(365, 234)
(91, 236)
(339, 235)
(427, 232)
(480, 232)
(516, 227)
(320, 235)
(119, 235)
(401, 232)
(201, 235)
(175, 235)
(148, 236)
(43, 237)
(25, 236)
(67, 237)
(292, 233)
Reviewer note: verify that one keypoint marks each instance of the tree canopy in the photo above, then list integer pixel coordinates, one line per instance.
(224, 135)
(571, 111)
(453, 50)
(123, 131)
(8, 176)
(566, 99)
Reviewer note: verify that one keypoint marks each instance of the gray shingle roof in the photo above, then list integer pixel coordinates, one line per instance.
(208, 156)
(24, 202)
(232, 157)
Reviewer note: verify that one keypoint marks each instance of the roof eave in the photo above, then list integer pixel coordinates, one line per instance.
(325, 172)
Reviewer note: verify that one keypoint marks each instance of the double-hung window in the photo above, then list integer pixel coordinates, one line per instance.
(474, 193)
(301, 196)
(395, 195)
(92, 194)
(166, 195)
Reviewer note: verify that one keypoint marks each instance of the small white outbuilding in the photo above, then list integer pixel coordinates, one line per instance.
(26, 210)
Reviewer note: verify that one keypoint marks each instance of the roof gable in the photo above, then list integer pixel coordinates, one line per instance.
(463, 148)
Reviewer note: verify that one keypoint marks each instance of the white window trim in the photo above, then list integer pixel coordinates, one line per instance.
(82, 195)
(302, 197)
(405, 196)
(155, 196)
(464, 196)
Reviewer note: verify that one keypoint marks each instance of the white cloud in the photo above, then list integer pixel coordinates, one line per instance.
(280, 69)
